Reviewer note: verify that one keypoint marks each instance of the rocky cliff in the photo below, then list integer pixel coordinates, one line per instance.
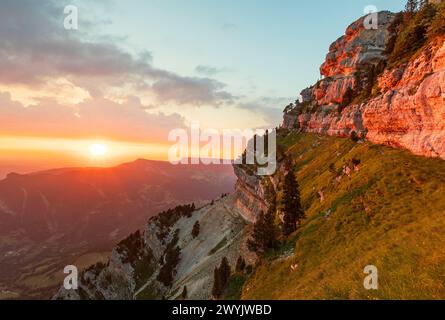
(139, 265)
(402, 106)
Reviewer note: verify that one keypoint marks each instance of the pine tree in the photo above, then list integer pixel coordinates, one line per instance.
(264, 233)
(216, 290)
(240, 265)
(292, 208)
(196, 229)
(221, 278)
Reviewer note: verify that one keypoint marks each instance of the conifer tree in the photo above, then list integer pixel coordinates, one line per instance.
(196, 229)
(292, 209)
(221, 277)
(264, 233)
(184, 293)
(225, 270)
(217, 288)
(240, 265)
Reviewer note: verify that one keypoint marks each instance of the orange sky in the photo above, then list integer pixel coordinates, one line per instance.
(61, 91)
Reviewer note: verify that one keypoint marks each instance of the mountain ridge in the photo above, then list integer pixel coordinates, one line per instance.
(62, 215)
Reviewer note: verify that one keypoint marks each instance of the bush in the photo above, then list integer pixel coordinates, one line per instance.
(132, 247)
(184, 293)
(240, 265)
(354, 136)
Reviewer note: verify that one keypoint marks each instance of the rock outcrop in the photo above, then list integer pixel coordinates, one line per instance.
(249, 196)
(135, 264)
(406, 108)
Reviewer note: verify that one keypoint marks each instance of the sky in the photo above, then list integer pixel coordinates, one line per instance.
(136, 69)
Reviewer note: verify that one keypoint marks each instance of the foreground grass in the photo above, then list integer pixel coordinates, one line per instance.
(390, 213)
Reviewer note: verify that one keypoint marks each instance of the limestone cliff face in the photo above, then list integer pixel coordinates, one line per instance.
(348, 60)
(408, 109)
(410, 112)
(249, 195)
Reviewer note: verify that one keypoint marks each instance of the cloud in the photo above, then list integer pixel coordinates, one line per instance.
(270, 108)
(83, 84)
(34, 47)
(208, 70)
(196, 91)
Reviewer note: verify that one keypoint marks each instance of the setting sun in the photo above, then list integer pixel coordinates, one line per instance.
(98, 149)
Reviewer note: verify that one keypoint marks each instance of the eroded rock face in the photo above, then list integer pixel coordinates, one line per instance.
(348, 59)
(358, 47)
(411, 114)
(409, 111)
(249, 195)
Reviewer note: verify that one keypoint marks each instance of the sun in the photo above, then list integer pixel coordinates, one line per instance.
(98, 149)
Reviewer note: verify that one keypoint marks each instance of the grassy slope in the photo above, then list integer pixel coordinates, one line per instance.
(390, 214)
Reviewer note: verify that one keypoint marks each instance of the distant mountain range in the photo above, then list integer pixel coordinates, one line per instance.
(52, 218)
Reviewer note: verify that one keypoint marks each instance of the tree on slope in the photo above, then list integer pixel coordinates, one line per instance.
(411, 6)
(196, 229)
(264, 233)
(293, 211)
(221, 278)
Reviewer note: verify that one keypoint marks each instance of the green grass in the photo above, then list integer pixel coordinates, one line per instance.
(235, 286)
(219, 246)
(391, 214)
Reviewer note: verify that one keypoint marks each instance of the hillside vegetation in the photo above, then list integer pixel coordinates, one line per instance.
(365, 205)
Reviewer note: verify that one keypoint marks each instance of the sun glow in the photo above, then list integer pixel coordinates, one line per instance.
(98, 149)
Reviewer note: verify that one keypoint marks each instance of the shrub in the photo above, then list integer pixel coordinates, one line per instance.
(240, 265)
(184, 293)
(354, 136)
(264, 233)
